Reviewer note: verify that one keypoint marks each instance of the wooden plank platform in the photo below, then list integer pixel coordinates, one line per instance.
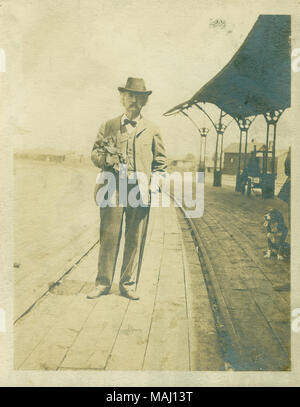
(170, 328)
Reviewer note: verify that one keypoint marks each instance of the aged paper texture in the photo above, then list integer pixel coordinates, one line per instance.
(149, 230)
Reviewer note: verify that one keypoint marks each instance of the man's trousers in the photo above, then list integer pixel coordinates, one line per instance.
(111, 221)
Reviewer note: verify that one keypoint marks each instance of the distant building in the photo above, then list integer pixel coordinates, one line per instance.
(51, 155)
(209, 164)
(185, 164)
(40, 155)
(231, 157)
(72, 156)
(182, 164)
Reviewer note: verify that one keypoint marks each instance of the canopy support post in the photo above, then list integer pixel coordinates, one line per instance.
(269, 176)
(203, 133)
(220, 129)
(218, 157)
(244, 124)
(217, 179)
(238, 178)
(221, 154)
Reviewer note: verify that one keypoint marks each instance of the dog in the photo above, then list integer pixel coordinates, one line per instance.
(276, 235)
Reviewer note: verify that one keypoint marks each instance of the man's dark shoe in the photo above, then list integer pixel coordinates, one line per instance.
(130, 293)
(97, 292)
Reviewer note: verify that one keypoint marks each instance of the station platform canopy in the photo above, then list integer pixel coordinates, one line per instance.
(257, 79)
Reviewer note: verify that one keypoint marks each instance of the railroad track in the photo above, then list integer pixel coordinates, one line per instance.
(229, 340)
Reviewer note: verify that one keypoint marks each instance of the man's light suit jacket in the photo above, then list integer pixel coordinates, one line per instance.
(149, 152)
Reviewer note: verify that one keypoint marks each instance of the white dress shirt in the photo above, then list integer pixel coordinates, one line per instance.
(129, 127)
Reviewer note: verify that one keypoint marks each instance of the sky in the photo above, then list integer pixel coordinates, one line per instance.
(70, 56)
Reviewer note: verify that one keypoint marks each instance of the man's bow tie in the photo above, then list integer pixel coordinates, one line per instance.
(132, 122)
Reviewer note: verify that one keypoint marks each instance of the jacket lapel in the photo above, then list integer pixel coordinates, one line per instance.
(117, 130)
(141, 126)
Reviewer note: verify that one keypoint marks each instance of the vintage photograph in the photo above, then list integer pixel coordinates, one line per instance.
(152, 147)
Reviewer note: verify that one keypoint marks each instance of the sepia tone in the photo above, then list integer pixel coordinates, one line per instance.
(167, 288)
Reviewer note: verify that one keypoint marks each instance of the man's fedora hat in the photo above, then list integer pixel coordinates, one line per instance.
(136, 85)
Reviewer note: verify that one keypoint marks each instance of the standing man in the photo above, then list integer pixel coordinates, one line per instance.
(128, 141)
